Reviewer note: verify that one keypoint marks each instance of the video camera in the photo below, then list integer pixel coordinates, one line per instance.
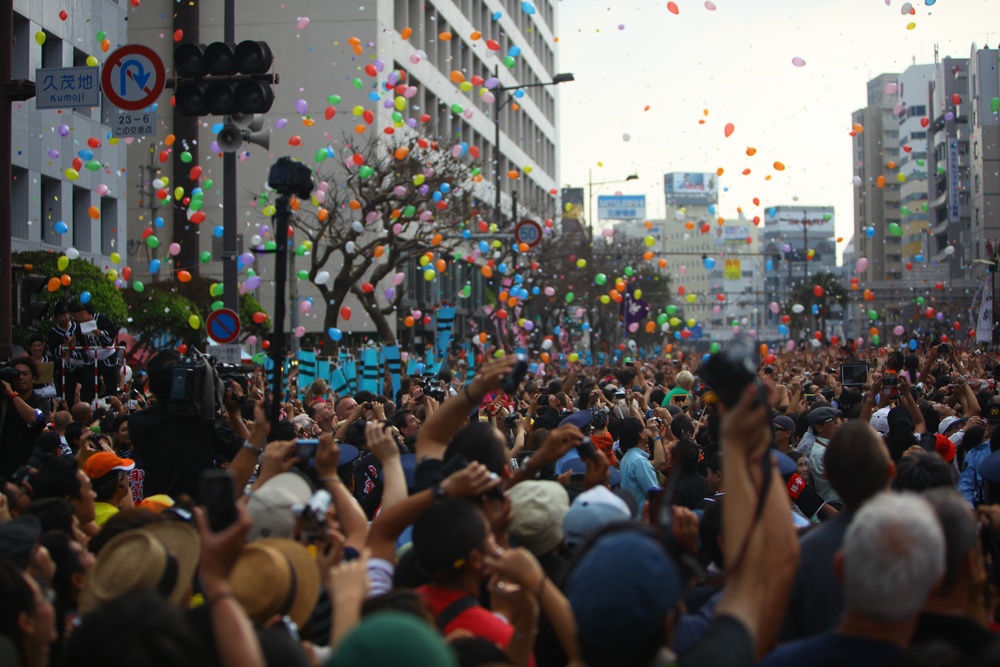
(196, 389)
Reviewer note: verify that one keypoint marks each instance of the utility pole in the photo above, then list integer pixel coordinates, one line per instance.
(293, 298)
(805, 247)
(230, 275)
(147, 195)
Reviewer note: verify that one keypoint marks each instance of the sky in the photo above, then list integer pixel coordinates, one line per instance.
(736, 62)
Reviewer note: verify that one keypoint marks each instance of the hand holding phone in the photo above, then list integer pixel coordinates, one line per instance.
(218, 497)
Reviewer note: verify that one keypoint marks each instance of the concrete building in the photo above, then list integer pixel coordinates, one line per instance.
(46, 141)
(317, 61)
(984, 137)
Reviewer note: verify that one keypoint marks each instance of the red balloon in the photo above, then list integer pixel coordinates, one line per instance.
(94, 142)
(685, 334)
(502, 314)
(818, 335)
(358, 159)
(785, 319)
(260, 317)
(330, 113)
(367, 288)
(126, 273)
(818, 291)
(195, 173)
(182, 348)
(77, 163)
(345, 312)
(370, 70)
(929, 312)
(957, 325)
(369, 116)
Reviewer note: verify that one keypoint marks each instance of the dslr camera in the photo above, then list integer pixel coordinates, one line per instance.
(196, 389)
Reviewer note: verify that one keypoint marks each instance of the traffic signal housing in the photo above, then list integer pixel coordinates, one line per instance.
(28, 306)
(222, 79)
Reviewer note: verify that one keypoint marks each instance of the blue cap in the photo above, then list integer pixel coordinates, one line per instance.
(786, 464)
(579, 467)
(579, 419)
(646, 585)
(989, 469)
(348, 455)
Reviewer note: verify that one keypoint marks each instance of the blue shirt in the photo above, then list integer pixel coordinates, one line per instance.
(638, 476)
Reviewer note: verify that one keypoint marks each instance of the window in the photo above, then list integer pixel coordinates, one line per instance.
(109, 225)
(52, 51)
(19, 202)
(81, 219)
(217, 246)
(51, 210)
(20, 68)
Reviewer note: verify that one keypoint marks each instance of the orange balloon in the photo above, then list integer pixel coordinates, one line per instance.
(648, 255)
(649, 224)
(779, 166)
(379, 250)
(523, 247)
(354, 204)
(169, 140)
(650, 327)
(295, 203)
(402, 152)
(436, 239)
(456, 76)
(444, 36)
(184, 276)
(440, 265)
(94, 212)
(891, 164)
(65, 280)
(662, 263)
(880, 181)
(409, 321)
(751, 151)
(475, 36)
(322, 214)
(483, 337)
(544, 356)
(511, 302)
(512, 174)
(360, 129)
(54, 284)
(406, 32)
(689, 225)
(486, 271)
(720, 171)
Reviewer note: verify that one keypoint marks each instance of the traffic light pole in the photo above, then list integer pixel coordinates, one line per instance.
(230, 274)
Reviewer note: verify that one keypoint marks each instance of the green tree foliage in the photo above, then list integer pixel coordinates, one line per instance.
(85, 277)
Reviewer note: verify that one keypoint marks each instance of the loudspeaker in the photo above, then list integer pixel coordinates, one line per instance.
(253, 122)
(229, 138)
(262, 138)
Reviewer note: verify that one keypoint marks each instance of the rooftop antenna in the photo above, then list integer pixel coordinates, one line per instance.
(937, 58)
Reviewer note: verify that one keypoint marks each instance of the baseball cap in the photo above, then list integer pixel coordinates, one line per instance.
(591, 510)
(579, 419)
(822, 415)
(538, 508)
(880, 421)
(945, 447)
(992, 413)
(579, 467)
(947, 423)
(102, 463)
(635, 601)
(784, 423)
(271, 506)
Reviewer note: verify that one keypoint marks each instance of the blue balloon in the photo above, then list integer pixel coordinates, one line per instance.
(197, 192)
(445, 188)
(484, 247)
(870, 232)
(705, 357)
(218, 231)
(918, 258)
(913, 344)
(154, 266)
(158, 222)
(585, 326)
(532, 367)
(85, 297)
(85, 154)
(815, 309)
(515, 51)
(519, 93)
(677, 335)
(769, 266)
(335, 333)
(466, 233)
(436, 196)
(519, 279)
(536, 291)
(373, 96)
(502, 268)
(709, 263)
(557, 330)
(496, 16)
(527, 7)
(782, 329)
(771, 212)
(61, 227)
(711, 209)
(217, 127)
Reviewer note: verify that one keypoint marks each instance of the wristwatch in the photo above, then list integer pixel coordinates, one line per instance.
(438, 493)
(253, 448)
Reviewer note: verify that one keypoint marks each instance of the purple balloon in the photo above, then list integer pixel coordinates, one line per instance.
(940, 317)
(253, 282)
(247, 258)
(424, 189)
(53, 154)
(387, 104)
(949, 116)
(64, 130)
(491, 82)
(393, 78)
(280, 123)
(301, 106)
(390, 292)
(412, 122)
(379, 65)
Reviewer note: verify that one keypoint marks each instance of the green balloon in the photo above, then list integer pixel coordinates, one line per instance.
(661, 319)
(207, 185)
(872, 315)
(186, 157)
(671, 309)
(205, 257)
(358, 83)
(152, 242)
(629, 271)
(300, 251)
(904, 211)
(509, 62)
(397, 117)
(259, 358)
(302, 275)
(457, 108)
(714, 348)
(270, 245)
(250, 272)
(409, 211)
(467, 290)
(569, 297)
(600, 279)
(333, 99)
(895, 229)
(995, 104)
(93, 165)
(365, 171)
(138, 286)
(321, 155)
(476, 171)
(876, 340)
(196, 204)
(920, 301)
(217, 289)
(217, 304)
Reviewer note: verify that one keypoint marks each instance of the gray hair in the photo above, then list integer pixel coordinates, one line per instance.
(894, 553)
(960, 530)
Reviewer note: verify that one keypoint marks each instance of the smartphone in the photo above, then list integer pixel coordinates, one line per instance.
(133, 404)
(853, 375)
(218, 498)
(512, 380)
(890, 380)
(586, 449)
(305, 449)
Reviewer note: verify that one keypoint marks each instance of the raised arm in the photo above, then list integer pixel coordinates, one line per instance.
(442, 424)
(352, 518)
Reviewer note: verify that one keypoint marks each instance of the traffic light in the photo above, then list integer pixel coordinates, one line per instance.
(28, 307)
(222, 79)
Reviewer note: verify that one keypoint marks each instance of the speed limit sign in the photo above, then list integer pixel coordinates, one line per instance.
(528, 232)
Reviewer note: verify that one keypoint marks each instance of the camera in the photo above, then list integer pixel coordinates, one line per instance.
(9, 375)
(890, 380)
(195, 388)
(288, 177)
(313, 515)
(233, 373)
(510, 421)
(728, 372)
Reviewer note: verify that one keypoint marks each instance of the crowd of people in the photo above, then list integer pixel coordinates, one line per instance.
(630, 514)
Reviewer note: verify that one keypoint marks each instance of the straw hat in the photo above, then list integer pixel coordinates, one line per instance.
(159, 557)
(276, 576)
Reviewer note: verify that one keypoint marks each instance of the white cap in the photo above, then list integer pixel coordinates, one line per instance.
(880, 421)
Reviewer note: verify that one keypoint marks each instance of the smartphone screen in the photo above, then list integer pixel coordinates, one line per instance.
(218, 498)
(853, 375)
(306, 449)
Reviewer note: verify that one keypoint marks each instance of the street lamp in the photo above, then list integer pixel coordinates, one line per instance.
(590, 194)
(501, 102)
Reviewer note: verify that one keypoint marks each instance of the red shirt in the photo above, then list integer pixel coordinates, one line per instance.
(478, 620)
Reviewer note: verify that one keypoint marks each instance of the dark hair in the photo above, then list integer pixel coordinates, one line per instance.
(445, 535)
(117, 423)
(106, 485)
(960, 528)
(657, 395)
(17, 597)
(686, 455)
(405, 600)
(36, 338)
(855, 463)
(920, 471)
(709, 530)
(161, 373)
(67, 562)
(682, 425)
(629, 431)
(931, 417)
(25, 360)
(53, 514)
(399, 418)
(477, 651)
(479, 441)
(56, 478)
(142, 626)
(73, 432)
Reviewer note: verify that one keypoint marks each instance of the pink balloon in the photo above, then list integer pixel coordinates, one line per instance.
(174, 248)
(398, 278)
(251, 340)
(790, 345)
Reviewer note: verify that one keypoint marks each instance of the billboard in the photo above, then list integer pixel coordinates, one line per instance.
(732, 234)
(621, 207)
(572, 203)
(690, 188)
(733, 269)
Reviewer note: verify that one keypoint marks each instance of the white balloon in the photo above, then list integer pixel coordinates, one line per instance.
(322, 277)
(158, 183)
(349, 247)
(798, 308)
(856, 180)
(547, 343)
(949, 250)
(72, 253)
(357, 226)
(255, 239)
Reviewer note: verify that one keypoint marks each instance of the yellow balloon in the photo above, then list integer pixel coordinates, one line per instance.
(194, 322)
(649, 241)
(178, 193)
(116, 258)
(605, 299)
(429, 275)
(573, 356)
(40, 37)
(528, 169)
(637, 294)
(691, 322)
(581, 263)
(92, 61)
(112, 275)
(425, 260)
(674, 321)
(691, 298)
(72, 174)
(62, 262)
